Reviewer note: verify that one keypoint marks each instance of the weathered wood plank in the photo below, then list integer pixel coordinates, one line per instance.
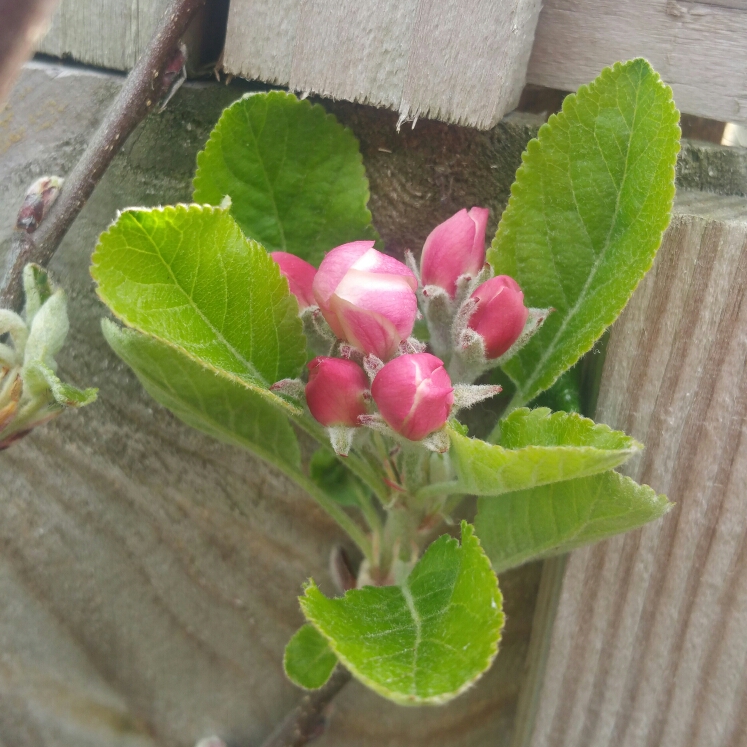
(697, 47)
(106, 33)
(459, 61)
(648, 646)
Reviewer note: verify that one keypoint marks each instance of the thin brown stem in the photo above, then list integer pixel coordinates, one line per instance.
(306, 720)
(144, 88)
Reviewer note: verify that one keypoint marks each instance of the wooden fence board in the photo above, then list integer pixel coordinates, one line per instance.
(698, 48)
(106, 33)
(462, 61)
(648, 645)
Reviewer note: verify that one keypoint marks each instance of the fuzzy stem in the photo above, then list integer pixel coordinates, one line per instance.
(450, 487)
(353, 462)
(369, 511)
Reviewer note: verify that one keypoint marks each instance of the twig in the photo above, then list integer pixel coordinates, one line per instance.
(143, 89)
(306, 720)
(22, 25)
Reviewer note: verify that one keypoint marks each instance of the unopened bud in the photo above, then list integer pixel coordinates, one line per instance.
(367, 298)
(500, 315)
(453, 249)
(336, 392)
(414, 395)
(39, 198)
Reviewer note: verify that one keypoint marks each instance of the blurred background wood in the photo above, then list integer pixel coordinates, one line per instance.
(697, 47)
(112, 34)
(647, 647)
(461, 61)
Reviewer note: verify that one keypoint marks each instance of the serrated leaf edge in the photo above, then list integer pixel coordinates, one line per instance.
(285, 663)
(328, 116)
(658, 499)
(175, 209)
(467, 536)
(533, 146)
(545, 413)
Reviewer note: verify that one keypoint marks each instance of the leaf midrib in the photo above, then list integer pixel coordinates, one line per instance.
(519, 397)
(251, 369)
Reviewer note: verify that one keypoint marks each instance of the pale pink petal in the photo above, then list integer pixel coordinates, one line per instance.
(334, 266)
(455, 247)
(365, 330)
(388, 295)
(373, 261)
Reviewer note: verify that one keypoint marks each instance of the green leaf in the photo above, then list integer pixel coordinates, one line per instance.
(334, 478)
(294, 175)
(586, 216)
(531, 524)
(187, 276)
(308, 660)
(219, 406)
(425, 641)
(537, 447)
(37, 289)
(38, 377)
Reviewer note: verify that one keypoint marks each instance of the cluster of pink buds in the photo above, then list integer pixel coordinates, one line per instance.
(476, 321)
(364, 304)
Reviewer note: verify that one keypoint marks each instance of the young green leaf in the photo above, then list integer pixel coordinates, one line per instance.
(425, 641)
(553, 519)
(294, 175)
(586, 215)
(308, 660)
(38, 377)
(186, 275)
(537, 447)
(219, 406)
(332, 476)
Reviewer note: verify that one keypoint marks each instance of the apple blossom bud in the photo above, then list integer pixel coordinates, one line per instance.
(414, 395)
(367, 298)
(500, 315)
(300, 275)
(336, 391)
(454, 248)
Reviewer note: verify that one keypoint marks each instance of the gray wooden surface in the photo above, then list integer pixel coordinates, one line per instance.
(462, 61)
(105, 33)
(148, 574)
(698, 48)
(648, 646)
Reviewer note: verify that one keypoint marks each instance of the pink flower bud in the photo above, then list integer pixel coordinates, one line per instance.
(300, 275)
(336, 391)
(367, 298)
(414, 394)
(500, 315)
(455, 247)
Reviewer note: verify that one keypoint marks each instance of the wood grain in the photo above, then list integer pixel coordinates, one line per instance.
(697, 47)
(462, 61)
(648, 645)
(106, 33)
